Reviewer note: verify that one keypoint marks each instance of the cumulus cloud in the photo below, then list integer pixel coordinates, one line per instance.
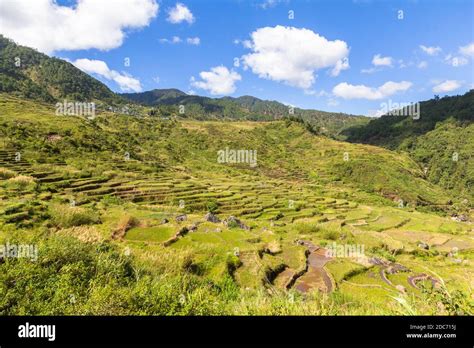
(430, 50)
(447, 86)
(341, 64)
(180, 13)
(378, 60)
(467, 50)
(292, 55)
(218, 81)
(378, 63)
(348, 91)
(49, 27)
(100, 68)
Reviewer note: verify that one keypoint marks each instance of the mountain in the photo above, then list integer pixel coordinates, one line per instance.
(441, 140)
(27, 73)
(244, 108)
(24, 72)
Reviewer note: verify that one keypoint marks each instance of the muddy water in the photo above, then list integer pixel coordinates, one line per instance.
(314, 278)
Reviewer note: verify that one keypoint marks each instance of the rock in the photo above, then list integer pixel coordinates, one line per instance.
(395, 268)
(401, 288)
(423, 245)
(218, 229)
(459, 218)
(232, 221)
(376, 261)
(211, 218)
(273, 248)
(165, 221)
(181, 218)
(182, 231)
(193, 227)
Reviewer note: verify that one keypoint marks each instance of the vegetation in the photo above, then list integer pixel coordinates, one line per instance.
(440, 140)
(133, 213)
(165, 101)
(28, 73)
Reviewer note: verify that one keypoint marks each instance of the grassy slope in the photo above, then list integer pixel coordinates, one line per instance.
(445, 127)
(172, 161)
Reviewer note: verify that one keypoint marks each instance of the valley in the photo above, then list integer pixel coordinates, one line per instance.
(182, 233)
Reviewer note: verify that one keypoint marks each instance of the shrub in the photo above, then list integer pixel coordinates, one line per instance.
(21, 182)
(212, 206)
(65, 216)
(6, 173)
(304, 228)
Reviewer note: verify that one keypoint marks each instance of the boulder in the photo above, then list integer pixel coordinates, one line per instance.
(181, 218)
(232, 221)
(211, 218)
(401, 288)
(423, 245)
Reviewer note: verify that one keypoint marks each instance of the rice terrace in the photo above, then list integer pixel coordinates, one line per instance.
(164, 202)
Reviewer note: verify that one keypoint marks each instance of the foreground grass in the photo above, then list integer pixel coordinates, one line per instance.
(75, 278)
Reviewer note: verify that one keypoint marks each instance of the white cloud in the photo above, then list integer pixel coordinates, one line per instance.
(347, 91)
(422, 65)
(467, 50)
(446, 86)
(378, 60)
(292, 55)
(99, 67)
(218, 81)
(193, 41)
(369, 70)
(265, 4)
(430, 50)
(378, 63)
(49, 27)
(342, 64)
(180, 13)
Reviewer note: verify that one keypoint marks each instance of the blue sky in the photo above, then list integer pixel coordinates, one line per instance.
(386, 55)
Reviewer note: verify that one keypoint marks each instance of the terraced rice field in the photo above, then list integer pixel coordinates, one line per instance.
(291, 226)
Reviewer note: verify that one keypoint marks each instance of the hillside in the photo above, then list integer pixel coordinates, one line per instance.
(27, 73)
(442, 140)
(244, 108)
(119, 208)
